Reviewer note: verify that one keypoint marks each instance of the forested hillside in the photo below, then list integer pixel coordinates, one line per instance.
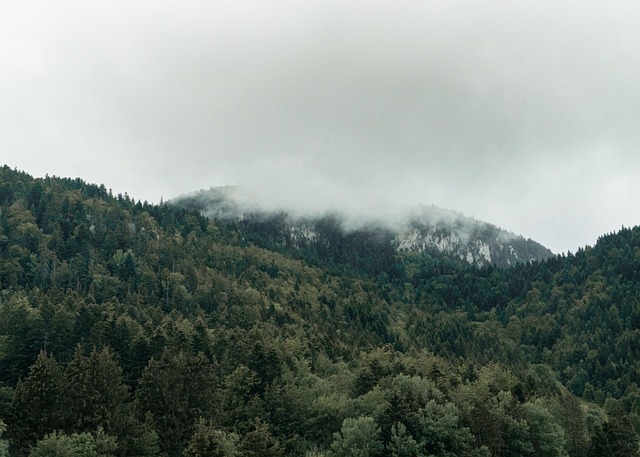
(130, 329)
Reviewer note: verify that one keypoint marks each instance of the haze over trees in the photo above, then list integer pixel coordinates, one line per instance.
(130, 329)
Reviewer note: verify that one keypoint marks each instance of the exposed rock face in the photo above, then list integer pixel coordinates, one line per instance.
(486, 244)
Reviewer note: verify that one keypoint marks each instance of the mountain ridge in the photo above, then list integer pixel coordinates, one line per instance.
(412, 229)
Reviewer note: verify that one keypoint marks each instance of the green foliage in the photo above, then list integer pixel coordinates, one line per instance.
(177, 389)
(106, 445)
(616, 437)
(546, 436)
(357, 438)
(38, 402)
(4, 444)
(402, 444)
(61, 445)
(143, 440)
(130, 329)
(96, 395)
(260, 442)
(23, 328)
(208, 441)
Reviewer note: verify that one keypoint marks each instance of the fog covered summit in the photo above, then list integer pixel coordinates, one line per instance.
(406, 229)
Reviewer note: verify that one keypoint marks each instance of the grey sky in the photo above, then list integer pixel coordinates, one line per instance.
(521, 113)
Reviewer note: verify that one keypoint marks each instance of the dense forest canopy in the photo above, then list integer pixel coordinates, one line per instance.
(131, 329)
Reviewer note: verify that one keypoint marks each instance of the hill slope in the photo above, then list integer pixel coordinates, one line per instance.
(135, 329)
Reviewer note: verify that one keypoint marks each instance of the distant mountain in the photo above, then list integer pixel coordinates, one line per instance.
(424, 229)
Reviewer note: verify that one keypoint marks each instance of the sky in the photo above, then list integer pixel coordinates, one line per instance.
(520, 113)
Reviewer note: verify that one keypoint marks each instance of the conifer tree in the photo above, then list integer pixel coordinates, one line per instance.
(38, 402)
(96, 394)
(178, 388)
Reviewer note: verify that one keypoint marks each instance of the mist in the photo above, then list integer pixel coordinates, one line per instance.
(522, 114)
(234, 203)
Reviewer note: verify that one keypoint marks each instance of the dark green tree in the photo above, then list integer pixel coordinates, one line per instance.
(38, 402)
(260, 442)
(209, 441)
(177, 389)
(96, 395)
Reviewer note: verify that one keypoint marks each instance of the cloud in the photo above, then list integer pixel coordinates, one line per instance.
(495, 109)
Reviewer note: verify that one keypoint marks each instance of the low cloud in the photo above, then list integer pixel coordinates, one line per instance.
(520, 113)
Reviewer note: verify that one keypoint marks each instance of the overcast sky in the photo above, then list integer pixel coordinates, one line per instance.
(521, 113)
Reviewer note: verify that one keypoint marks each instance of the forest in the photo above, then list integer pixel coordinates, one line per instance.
(135, 329)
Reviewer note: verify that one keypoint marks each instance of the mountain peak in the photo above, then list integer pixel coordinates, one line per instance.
(409, 229)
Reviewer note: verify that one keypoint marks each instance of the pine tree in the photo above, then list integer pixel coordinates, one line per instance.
(96, 393)
(178, 388)
(38, 402)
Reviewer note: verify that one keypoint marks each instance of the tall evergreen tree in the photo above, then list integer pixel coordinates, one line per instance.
(96, 395)
(38, 402)
(178, 388)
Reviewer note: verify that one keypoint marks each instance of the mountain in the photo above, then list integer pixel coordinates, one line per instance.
(423, 229)
(131, 329)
